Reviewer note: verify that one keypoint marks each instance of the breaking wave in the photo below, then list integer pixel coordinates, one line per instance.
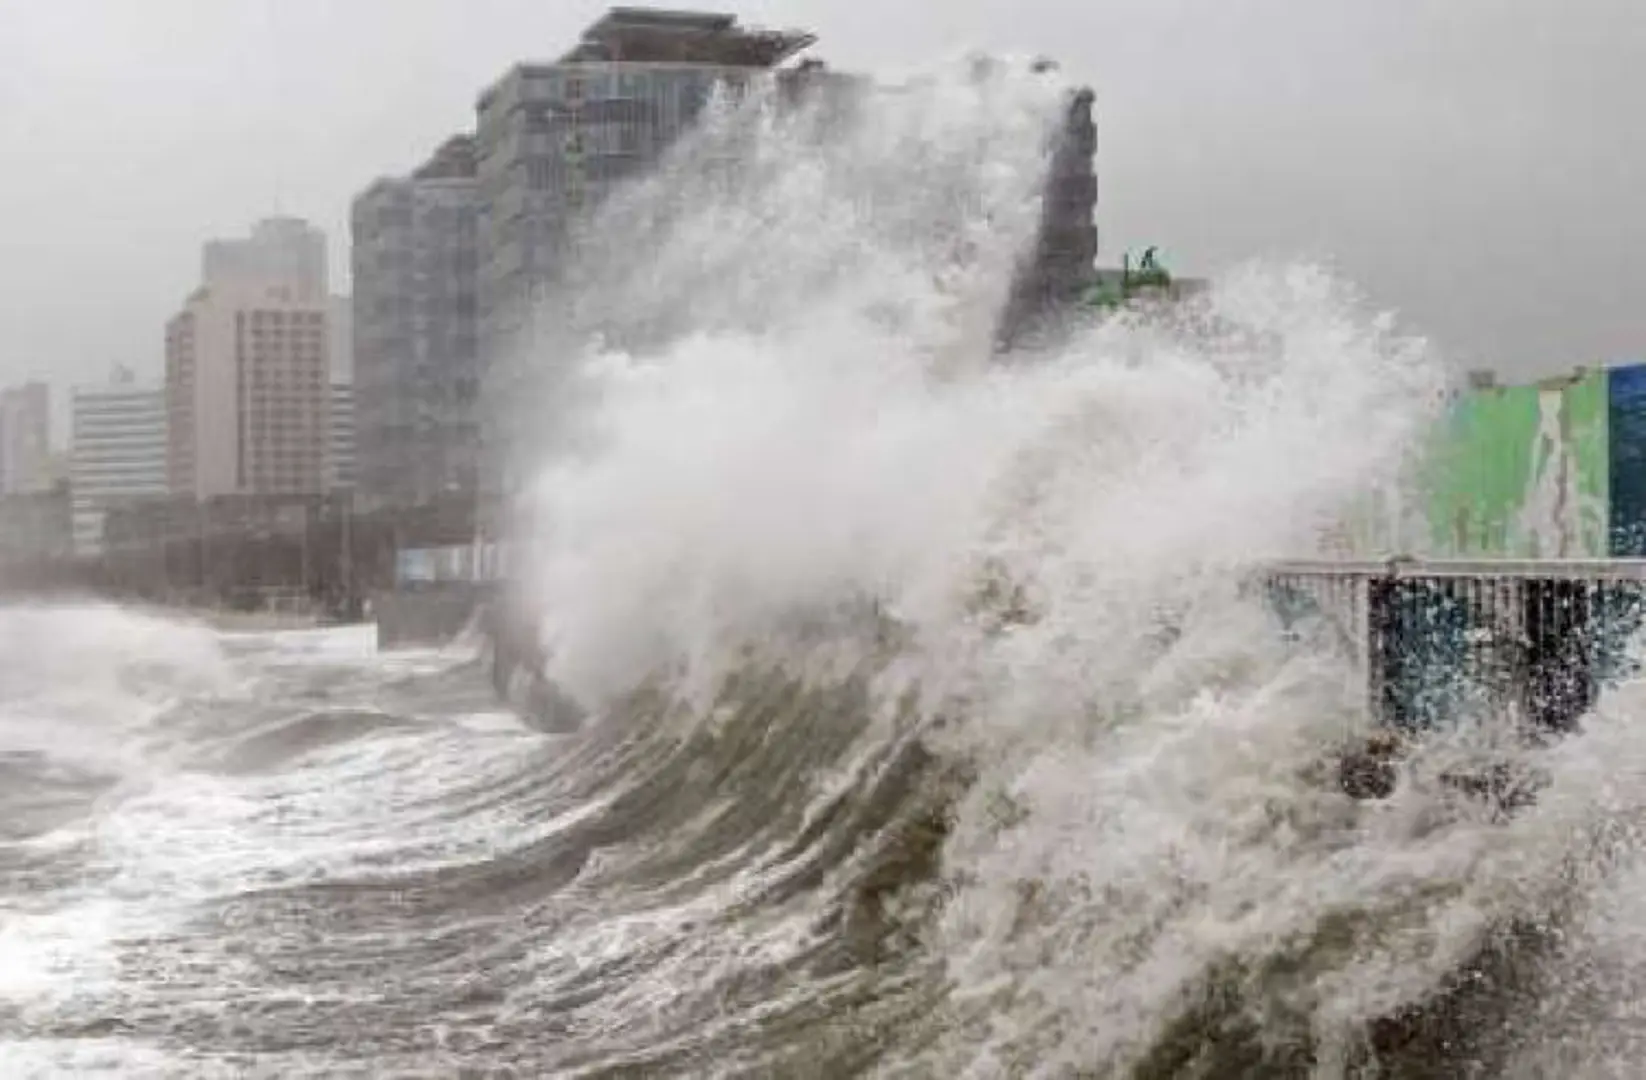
(928, 729)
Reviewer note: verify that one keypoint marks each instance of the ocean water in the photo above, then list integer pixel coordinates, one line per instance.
(928, 731)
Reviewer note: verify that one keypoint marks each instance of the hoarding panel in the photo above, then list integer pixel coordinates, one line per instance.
(1585, 428)
(1521, 471)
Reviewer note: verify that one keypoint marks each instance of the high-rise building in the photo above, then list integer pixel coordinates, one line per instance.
(117, 452)
(25, 439)
(340, 438)
(280, 249)
(416, 374)
(248, 371)
(552, 139)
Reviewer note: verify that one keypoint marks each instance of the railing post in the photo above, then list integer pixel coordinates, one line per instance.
(1381, 639)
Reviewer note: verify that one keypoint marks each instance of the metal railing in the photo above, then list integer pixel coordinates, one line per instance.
(1537, 638)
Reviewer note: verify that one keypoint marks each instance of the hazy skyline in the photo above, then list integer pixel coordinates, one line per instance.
(1473, 165)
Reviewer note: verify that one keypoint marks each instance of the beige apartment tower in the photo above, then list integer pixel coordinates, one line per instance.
(247, 391)
(248, 373)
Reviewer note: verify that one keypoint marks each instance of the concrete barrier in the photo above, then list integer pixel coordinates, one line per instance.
(426, 615)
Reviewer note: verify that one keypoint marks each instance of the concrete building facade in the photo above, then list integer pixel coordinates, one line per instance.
(117, 452)
(1063, 261)
(416, 363)
(553, 139)
(25, 439)
(340, 438)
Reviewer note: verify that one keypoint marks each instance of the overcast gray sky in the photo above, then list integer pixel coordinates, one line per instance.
(1478, 165)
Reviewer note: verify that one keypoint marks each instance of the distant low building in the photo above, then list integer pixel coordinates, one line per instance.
(35, 526)
(117, 452)
(246, 550)
(25, 439)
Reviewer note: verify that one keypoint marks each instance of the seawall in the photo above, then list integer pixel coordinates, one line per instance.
(426, 614)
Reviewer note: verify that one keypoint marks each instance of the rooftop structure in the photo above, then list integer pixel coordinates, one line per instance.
(283, 250)
(660, 36)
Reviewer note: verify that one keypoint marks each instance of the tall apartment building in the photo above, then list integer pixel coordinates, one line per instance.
(552, 139)
(1062, 263)
(248, 370)
(117, 452)
(340, 438)
(416, 373)
(25, 439)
